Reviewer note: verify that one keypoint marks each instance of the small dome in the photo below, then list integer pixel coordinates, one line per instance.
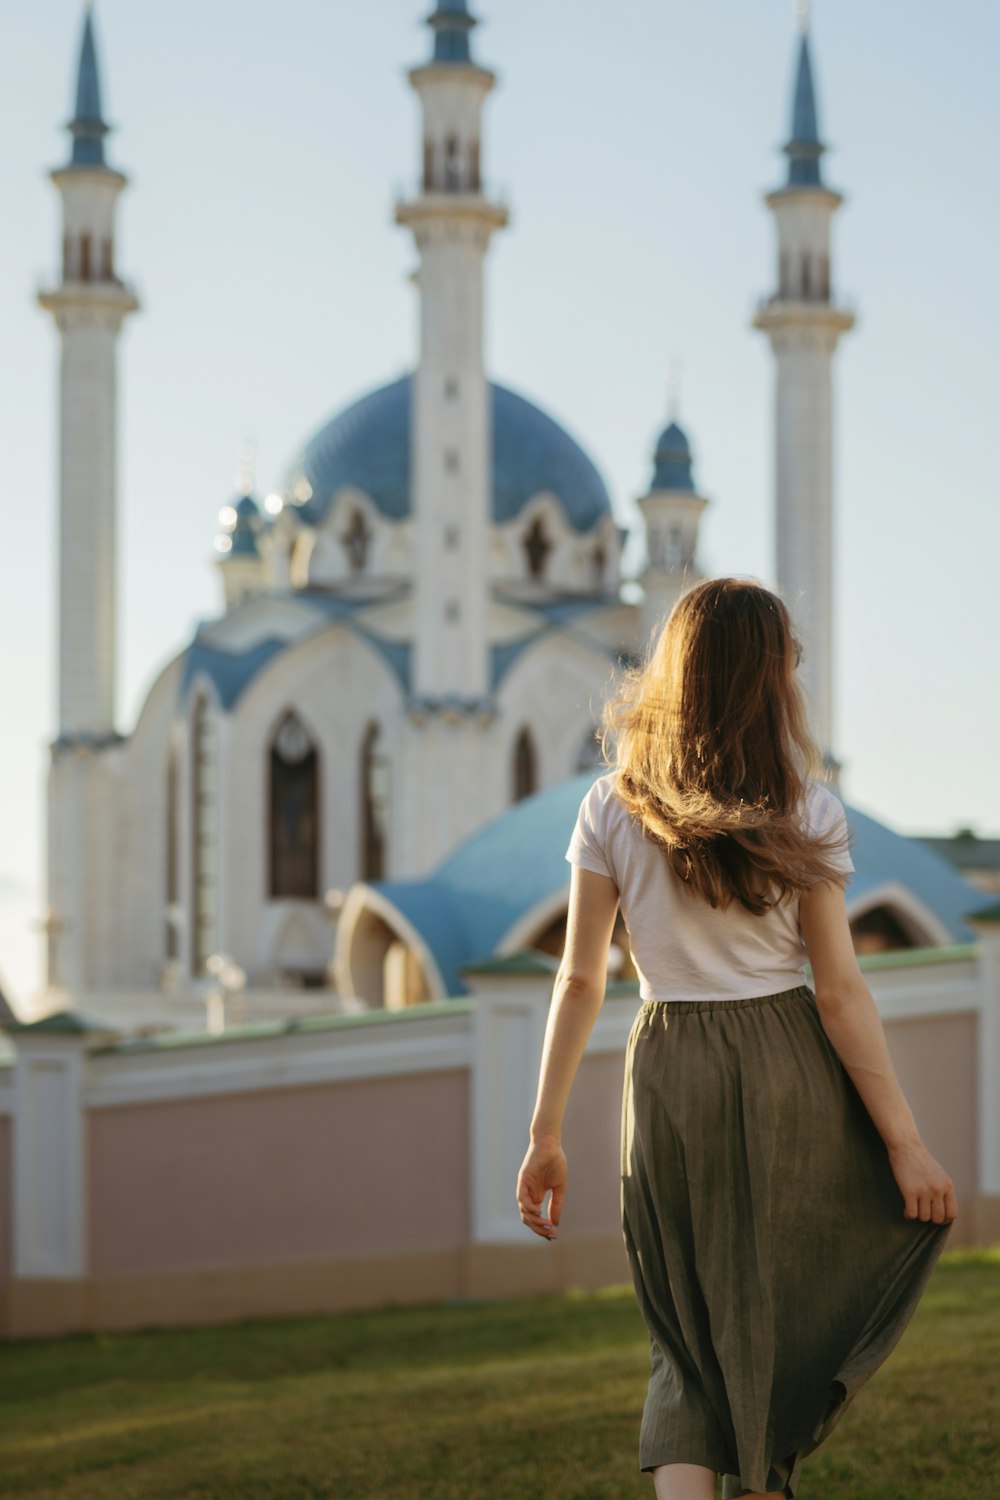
(672, 460)
(368, 445)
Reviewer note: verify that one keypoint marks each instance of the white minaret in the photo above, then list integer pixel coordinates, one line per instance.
(451, 438)
(89, 306)
(672, 514)
(804, 326)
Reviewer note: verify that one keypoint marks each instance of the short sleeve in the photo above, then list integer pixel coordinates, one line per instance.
(826, 816)
(588, 839)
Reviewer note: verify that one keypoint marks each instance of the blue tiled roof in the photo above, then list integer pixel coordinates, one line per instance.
(672, 461)
(517, 861)
(232, 671)
(367, 445)
(88, 125)
(556, 614)
(463, 910)
(880, 855)
(804, 148)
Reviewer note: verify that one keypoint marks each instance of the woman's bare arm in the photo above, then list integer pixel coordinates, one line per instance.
(577, 997)
(852, 1023)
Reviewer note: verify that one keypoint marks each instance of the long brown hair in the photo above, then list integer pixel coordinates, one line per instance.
(713, 750)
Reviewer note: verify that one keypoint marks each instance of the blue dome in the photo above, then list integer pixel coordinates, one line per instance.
(672, 460)
(368, 445)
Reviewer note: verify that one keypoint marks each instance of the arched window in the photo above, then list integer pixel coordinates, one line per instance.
(356, 541)
(537, 548)
(293, 805)
(525, 766)
(374, 782)
(823, 290)
(452, 164)
(85, 256)
(879, 931)
(204, 834)
(170, 944)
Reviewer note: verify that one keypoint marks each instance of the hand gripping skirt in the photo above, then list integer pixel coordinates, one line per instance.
(765, 1233)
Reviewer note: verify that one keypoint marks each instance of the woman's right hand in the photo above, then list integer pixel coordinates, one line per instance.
(928, 1192)
(543, 1171)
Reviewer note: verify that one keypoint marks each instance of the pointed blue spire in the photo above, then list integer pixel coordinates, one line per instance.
(805, 148)
(451, 24)
(88, 125)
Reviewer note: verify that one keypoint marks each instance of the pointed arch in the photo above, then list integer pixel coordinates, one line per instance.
(374, 785)
(525, 765)
(293, 811)
(171, 881)
(537, 545)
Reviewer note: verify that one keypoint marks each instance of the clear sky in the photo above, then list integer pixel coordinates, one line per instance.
(266, 144)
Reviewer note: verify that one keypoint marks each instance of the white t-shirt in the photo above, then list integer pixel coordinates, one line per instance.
(682, 948)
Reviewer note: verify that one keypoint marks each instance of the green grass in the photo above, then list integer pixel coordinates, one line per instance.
(505, 1401)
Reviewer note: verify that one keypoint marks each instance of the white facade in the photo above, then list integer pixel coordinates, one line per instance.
(397, 660)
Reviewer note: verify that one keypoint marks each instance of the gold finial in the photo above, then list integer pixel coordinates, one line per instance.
(801, 9)
(245, 470)
(674, 373)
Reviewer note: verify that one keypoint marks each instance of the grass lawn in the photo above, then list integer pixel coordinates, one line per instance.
(534, 1398)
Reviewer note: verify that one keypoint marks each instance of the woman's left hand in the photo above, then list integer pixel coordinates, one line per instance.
(542, 1171)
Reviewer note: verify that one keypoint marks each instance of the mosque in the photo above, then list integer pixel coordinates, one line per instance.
(362, 773)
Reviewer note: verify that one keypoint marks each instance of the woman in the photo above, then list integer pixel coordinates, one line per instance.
(781, 1214)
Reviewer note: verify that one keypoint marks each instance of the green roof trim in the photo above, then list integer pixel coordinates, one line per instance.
(169, 1041)
(525, 961)
(988, 914)
(62, 1023)
(912, 958)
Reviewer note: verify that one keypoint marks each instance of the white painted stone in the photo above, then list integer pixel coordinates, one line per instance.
(804, 326)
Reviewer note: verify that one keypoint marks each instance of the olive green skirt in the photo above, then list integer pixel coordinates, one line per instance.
(765, 1232)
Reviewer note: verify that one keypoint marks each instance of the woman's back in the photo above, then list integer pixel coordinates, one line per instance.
(683, 948)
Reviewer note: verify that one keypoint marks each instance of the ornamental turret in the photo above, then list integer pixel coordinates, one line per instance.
(671, 511)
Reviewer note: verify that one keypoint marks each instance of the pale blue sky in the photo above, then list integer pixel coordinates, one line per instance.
(265, 145)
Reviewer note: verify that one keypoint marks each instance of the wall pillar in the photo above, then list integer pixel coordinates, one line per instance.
(49, 1187)
(512, 1005)
(986, 925)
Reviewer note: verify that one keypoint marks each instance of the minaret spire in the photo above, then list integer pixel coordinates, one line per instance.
(804, 147)
(88, 124)
(804, 325)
